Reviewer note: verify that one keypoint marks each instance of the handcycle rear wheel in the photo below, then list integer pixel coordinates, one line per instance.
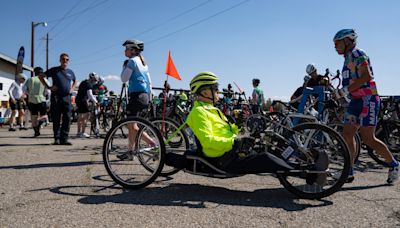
(313, 137)
(130, 173)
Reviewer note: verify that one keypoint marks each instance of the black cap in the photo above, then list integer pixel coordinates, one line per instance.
(135, 44)
(38, 70)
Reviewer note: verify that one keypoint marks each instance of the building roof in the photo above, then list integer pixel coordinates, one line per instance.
(14, 61)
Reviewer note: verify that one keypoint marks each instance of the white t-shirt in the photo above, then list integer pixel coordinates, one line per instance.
(15, 90)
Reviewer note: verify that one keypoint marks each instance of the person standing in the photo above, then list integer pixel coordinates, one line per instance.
(136, 73)
(17, 102)
(36, 100)
(85, 94)
(362, 112)
(257, 96)
(63, 83)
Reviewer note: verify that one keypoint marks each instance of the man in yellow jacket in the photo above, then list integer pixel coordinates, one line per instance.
(218, 137)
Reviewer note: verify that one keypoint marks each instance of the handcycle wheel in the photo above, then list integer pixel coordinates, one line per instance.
(178, 144)
(314, 138)
(130, 173)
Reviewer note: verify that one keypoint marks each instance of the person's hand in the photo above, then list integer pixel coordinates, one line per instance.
(53, 88)
(243, 146)
(341, 92)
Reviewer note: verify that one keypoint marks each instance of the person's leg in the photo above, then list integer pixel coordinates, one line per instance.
(12, 119)
(349, 132)
(85, 118)
(79, 123)
(21, 117)
(56, 117)
(66, 118)
(368, 137)
(257, 164)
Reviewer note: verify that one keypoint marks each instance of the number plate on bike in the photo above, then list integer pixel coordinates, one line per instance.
(287, 152)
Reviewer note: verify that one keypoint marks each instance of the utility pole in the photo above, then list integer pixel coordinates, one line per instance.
(47, 51)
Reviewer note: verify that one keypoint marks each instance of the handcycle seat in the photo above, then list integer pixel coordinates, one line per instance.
(194, 161)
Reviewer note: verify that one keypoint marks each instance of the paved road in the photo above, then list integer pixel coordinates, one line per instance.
(44, 185)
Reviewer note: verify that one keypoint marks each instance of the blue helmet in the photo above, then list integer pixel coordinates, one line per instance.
(350, 33)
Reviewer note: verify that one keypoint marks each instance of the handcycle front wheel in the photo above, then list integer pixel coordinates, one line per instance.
(179, 143)
(307, 181)
(121, 158)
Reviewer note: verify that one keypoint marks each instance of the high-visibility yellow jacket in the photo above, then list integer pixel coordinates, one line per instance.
(211, 127)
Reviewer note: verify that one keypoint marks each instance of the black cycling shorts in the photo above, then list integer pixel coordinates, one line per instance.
(18, 105)
(37, 109)
(83, 106)
(137, 103)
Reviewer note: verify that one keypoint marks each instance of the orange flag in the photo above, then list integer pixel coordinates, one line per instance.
(171, 69)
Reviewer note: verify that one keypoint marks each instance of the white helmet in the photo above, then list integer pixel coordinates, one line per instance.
(93, 76)
(310, 68)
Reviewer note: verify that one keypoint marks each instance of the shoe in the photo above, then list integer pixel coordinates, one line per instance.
(11, 129)
(23, 128)
(85, 135)
(350, 177)
(126, 156)
(393, 175)
(78, 135)
(37, 131)
(56, 142)
(66, 143)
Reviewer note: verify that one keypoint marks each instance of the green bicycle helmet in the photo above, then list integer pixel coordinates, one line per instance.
(202, 79)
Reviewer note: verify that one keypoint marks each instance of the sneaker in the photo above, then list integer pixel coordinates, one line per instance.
(11, 129)
(23, 128)
(56, 142)
(85, 135)
(336, 176)
(78, 135)
(126, 156)
(393, 175)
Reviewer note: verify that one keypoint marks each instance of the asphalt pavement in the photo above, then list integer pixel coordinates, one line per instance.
(44, 185)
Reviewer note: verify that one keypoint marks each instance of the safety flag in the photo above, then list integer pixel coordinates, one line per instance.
(171, 69)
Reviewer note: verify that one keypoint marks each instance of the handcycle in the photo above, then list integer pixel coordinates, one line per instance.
(294, 148)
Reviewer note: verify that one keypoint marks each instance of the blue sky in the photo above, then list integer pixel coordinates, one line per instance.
(238, 40)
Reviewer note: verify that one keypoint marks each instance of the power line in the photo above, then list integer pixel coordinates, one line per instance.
(198, 22)
(176, 31)
(91, 6)
(153, 27)
(65, 15)
(79, 12)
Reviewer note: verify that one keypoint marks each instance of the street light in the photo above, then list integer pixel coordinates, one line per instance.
(33, 42)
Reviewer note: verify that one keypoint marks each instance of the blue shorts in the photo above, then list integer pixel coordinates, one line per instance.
(363, 111)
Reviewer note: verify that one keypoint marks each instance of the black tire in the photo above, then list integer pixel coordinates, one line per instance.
(179, 144)
(323, 139)
(389, 133)
(131, 174)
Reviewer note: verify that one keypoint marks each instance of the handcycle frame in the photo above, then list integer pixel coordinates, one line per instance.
(215, 172)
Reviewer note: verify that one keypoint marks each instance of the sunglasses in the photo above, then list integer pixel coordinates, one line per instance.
(65, 59)
(214, 87)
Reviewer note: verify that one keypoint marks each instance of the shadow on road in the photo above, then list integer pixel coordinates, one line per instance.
(191, 196)
(48, 165)
(358, 188)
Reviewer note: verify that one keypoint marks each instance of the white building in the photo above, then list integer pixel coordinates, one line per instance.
(7, 76)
